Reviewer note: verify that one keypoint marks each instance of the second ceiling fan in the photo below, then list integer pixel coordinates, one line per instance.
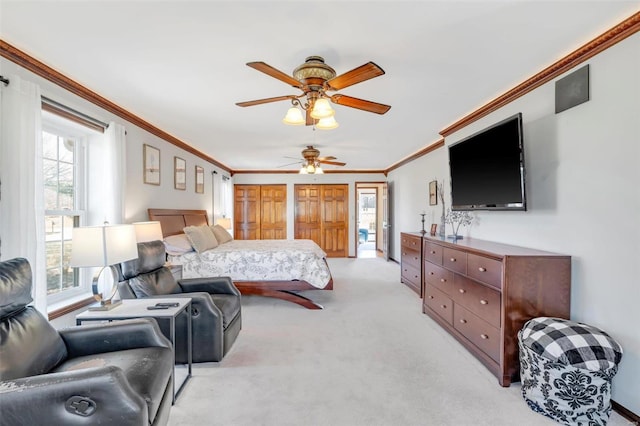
(315, 79)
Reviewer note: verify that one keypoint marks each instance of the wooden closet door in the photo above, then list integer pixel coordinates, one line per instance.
(307, 213)
(247, 212)
(273, 214)
(335, 220)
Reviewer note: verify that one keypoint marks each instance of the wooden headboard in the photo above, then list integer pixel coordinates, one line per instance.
(173, 221)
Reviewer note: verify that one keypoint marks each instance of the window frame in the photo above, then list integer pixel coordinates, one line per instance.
(63, 127)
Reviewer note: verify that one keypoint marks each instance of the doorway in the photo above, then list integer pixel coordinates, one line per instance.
(368, 220)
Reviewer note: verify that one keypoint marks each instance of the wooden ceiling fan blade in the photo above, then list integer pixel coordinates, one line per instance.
(356, 75)
(290, 164)
(264, 101)
(334, 163)
(360, 104)
(330, 157)
(275, 73)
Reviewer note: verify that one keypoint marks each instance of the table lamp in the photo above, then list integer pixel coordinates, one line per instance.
(148, 231)
(103, 246)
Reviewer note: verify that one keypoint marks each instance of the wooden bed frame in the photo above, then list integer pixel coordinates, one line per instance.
(173, 221)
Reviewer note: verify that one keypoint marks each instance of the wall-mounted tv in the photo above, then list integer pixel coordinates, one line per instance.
(487, 168)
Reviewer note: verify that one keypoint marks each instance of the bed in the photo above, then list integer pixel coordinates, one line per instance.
(299, 264)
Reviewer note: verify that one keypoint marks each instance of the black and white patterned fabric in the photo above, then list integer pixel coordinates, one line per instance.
(571, 343)
(566, 370)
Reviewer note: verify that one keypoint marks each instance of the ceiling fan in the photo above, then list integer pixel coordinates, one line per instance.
(315, 79)
(311, 161)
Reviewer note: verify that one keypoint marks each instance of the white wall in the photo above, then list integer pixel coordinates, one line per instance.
(290, 179)
(583, 186)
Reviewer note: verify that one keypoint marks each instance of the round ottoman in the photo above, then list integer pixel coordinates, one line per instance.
(566, 370)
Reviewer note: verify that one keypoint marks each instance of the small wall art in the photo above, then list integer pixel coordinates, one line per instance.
(573, 89)
(179, 173)
(199, 180)
(151, 165)
(433, 193)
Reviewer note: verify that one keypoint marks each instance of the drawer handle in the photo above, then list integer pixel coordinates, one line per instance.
(430, 297)
(433, 252)
(481, 269)
(431, 273)
(415, 257)
(443, 306)
(484, 336)
(453, 259)
(415, 276)
(463, 321)
(443, 280)
(462, 291)
(484, 302)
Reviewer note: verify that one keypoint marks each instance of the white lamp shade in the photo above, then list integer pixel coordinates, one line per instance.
(148, 231)
(322, 109)
(319, 171)
(327, 123)
(225, 222)
(103, 245)
(303, 170)
(294, 117)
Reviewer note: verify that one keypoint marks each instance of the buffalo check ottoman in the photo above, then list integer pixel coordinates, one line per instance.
(566, 370)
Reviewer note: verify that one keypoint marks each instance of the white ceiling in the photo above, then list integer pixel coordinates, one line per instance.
(180, 65)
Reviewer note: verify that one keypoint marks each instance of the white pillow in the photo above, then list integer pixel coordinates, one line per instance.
(201, 237)
(177, 244)
(222, 235)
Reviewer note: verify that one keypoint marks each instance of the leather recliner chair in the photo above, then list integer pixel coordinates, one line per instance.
(118, 373)
(215, 302)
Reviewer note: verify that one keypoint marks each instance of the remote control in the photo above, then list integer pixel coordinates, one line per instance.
(153, 308)
(168, 304)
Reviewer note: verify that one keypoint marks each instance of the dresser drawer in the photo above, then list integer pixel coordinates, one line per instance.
(410, 241)
(483, 269)
(438, 277)
(432, 252)
(411, 274)
(410, 257)
(454, 260)
(479, 299)
(480, 333)
(438, 302)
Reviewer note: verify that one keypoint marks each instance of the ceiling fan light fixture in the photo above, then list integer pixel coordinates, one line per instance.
(319, 170)
(311, 168)
(303, 170)
(294, 117)
(327, 123)
(322, 109)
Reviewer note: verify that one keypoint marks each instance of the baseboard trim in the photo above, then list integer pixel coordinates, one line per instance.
(625, 412)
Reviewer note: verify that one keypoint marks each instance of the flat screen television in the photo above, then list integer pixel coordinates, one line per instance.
(487, 168)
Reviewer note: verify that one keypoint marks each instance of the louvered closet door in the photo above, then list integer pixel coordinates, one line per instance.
(273, 214)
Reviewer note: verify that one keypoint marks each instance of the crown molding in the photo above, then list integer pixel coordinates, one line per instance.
(614, 35)
(415, 155)
(37, 67)
(295, 172)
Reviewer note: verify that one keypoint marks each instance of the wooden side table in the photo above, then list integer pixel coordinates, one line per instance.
(137, 308)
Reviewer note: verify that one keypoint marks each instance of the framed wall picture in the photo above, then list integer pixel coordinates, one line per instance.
(433, 193)
(434, 228)
(151, 164)
(179, 173)
(199, 180)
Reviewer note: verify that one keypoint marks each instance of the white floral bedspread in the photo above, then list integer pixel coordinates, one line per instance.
(259, 260)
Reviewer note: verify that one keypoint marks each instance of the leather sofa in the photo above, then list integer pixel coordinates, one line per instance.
(118, 373)
(215, 302)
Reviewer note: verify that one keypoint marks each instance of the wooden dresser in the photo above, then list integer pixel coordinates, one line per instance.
(483, 292)
(411, 260)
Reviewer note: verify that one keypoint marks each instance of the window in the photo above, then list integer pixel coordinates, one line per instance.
(63, 153)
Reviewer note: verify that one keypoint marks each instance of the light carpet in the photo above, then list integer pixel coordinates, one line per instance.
(371, 357)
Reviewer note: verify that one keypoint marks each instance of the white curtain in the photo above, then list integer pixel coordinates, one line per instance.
(115, 175)
(22, 198)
